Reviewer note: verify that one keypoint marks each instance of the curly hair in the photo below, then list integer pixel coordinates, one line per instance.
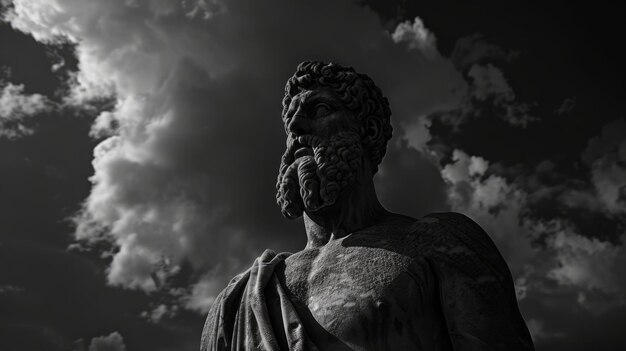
(356, 91)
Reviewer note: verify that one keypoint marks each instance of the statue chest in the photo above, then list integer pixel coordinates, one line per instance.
(365, 295)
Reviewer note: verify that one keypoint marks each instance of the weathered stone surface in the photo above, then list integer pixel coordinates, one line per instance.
(368, 279)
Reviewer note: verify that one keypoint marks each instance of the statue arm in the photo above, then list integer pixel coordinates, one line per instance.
(475, 287)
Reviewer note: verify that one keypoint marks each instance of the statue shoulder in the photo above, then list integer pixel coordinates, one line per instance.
(475, 285)
(452, 240)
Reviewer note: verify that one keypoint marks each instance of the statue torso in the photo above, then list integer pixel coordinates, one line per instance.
(384, 288)
(367, 291)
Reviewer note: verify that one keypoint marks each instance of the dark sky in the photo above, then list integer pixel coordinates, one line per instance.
(140, 140)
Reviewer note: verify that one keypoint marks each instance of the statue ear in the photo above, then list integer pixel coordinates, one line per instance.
(373, 129)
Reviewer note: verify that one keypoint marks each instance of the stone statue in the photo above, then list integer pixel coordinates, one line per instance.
(368, 279)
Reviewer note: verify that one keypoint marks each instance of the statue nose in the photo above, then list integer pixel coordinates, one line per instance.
(298, 124)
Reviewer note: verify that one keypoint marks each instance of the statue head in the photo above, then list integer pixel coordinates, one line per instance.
(337, 125)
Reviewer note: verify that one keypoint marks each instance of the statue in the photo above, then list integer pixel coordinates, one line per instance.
(368, 279)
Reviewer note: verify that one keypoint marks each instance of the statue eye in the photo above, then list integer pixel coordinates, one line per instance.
(322, 109)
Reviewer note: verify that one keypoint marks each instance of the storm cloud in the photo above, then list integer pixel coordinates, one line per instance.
(187, 169)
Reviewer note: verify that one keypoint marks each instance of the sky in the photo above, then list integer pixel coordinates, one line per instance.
(140, 142)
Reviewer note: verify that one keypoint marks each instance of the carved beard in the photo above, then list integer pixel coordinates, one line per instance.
(313, 182)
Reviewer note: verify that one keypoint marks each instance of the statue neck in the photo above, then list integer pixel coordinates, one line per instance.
(357, 208)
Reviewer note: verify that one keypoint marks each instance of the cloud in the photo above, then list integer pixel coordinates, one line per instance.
(111, 342)
(566, 106)
(487, 93)
(203, 294)
(187, 169)
(417, 133)
(611, 141)
(416, 36)
(540, 252)
(16, 109)
(10, 289)
(537, 330)
(488, 83)
(609, 180)
(606, 155)
(159, 312)
(475, 49)
(495, 204)
(603, 194)
(587, 262)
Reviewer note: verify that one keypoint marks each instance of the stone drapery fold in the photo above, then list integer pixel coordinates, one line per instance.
(255, 313)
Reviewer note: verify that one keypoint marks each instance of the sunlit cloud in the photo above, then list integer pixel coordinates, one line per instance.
(17, 109)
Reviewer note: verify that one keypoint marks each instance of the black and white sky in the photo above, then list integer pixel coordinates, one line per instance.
(140, 142)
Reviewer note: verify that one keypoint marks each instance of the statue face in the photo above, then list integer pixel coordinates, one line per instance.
(323, 155)
(317, 112)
